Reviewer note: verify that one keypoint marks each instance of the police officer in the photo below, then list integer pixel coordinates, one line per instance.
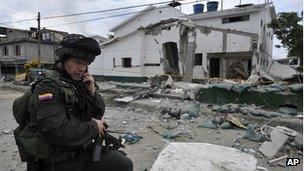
(67, 112)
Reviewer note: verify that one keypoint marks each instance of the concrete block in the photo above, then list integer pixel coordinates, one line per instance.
(202, 156)
(278, 139)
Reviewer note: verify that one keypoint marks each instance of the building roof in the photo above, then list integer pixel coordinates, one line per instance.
(27, 40)
(149, 8)
(233, 11)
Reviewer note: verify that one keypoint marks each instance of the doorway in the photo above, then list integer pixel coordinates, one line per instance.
(170, 52)
(214, 64)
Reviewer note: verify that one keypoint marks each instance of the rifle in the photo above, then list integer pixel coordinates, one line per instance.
(111, 143)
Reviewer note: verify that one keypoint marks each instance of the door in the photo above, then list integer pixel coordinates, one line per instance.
(214, 64)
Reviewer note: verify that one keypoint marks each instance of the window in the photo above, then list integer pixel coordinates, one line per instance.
(5, 51)
(17, 50)
(261, 23)
(114, 66)
(8, 70)
(126, 62)
(198, 60)
(236, 19)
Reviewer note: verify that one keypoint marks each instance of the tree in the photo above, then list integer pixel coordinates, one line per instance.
(288, 28)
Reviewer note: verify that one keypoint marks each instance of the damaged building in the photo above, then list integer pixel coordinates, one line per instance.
(229, 43)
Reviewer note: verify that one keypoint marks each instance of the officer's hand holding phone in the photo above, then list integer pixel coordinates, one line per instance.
(88, 81)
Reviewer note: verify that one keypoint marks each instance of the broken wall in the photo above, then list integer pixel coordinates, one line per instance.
(153, 50)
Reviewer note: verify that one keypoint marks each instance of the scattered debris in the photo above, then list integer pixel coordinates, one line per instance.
(226, 125)
(237, 71)
(296, 88)
(156, 100)
(253, 135)
(126, 99)
(278, 139)
(235, 121)
(208, 124)
(7, 131)
(264, 113)
(277, 159)
(130, 138)
(194, 110)
(175, 134)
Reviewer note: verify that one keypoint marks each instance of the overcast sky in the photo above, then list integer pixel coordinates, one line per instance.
(23, 9)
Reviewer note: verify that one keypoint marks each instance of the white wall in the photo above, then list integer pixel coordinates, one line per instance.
(127, 47)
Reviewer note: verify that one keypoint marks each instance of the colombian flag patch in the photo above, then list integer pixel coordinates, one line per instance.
(45, 96)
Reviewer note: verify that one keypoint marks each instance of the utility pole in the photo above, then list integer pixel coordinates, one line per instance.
(222, 4)
(38, 34)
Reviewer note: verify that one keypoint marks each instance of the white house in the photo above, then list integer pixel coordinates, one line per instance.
(163, 40)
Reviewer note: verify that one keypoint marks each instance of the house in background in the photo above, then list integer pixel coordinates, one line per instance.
(163, 40)
(20, 46)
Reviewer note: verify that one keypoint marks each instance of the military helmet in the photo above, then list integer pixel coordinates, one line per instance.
(78, 46)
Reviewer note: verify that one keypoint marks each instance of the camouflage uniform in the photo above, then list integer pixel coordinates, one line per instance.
(63, 119)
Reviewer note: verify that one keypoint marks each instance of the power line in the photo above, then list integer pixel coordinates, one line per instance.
(83, 13)
(101, 11)
(118, 15)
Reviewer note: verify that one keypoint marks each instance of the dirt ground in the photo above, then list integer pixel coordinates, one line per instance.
(147, 123)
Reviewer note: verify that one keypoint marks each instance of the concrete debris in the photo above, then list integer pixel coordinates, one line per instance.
(156, 100)
(253, 79)
(203, 156)
(266, 77)
(261, 168)
(175, 134)
(253, 135)
(267, 114)
(7, 131)
(287, 111)
(275, 88)
(296, 88)
(226, 125)
(299, 116)
(227, 108)
(169, 82)
(237, 71)
(244, 149)
(271, 148)
(126, 99)
(281, 71)
(277, 159)
(194, 110)
(208, 124)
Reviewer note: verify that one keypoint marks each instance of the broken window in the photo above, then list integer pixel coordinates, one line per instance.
(198, 60)
(236, 19)
(114, 66)
(126, 62)
(17, 50)
(5, 51)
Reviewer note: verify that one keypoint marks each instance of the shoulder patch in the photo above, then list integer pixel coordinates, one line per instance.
(45, 97)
